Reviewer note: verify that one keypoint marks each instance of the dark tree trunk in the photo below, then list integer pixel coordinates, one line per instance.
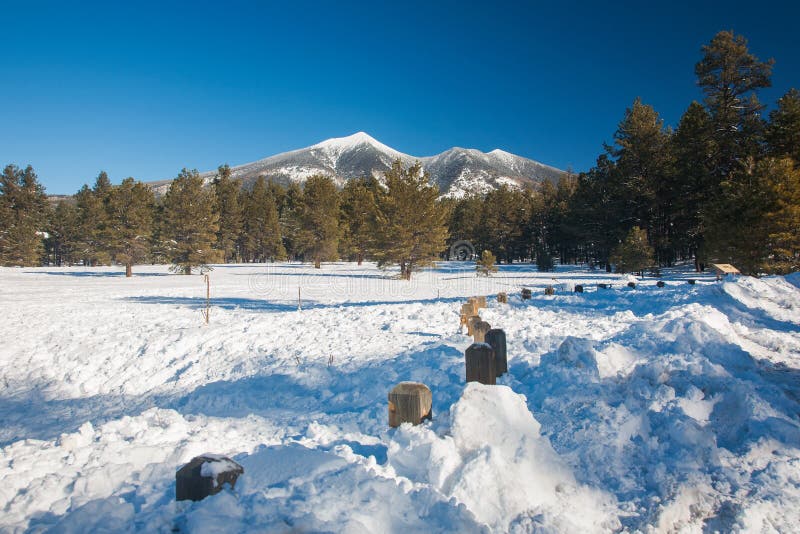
(359, 258)
(128, 270)
(317, 264)
(187, 269)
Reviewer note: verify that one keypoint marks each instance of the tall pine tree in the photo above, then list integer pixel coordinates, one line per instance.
(318, 215)
(357, 218)
(23, 209)
(190, 223)
(412, 224)
(131, 208)
(783, 132)
(226, 196)
(262, 232)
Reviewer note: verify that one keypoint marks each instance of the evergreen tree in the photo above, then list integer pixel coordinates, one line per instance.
(783, 132)
(412, 224)
(289, 210)
(318, 217)
(92, 205)
(729, 76)
(229, 209)
(262, 232)
(190, 223)
(693, 183)
(634, 254)
(465, 219)
(486, 264)
(64, 233)
(502, 221)
(357, 217)
(23, 211)
(783, 180)
(131, 208)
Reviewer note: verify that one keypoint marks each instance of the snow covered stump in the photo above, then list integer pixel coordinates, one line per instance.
(526, 294)
(480, 362)
(496, 338)
(409, 402)
(205, 475)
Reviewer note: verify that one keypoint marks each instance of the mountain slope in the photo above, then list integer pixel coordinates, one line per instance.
(457, 171)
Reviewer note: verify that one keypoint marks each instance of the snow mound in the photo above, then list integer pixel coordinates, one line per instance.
(496, 462)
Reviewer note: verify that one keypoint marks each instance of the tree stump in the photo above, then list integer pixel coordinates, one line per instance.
(205, 475)
(479, 330)
(549, 290)
(579, 289)
(502, 298)
(632, 285)
(471, 322)
(409, 402)
(691, 281)
(479, 359)
(469, 309)
(496, 338)
(526, 294)
(660, 283)
(480, 302)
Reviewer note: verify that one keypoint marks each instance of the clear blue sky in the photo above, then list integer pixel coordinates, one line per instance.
(142, 89)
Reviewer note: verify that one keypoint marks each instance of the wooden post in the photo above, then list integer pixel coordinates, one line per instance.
(603, 286)
(496, 338)
(480, 363)
(468, 309)
(207, 312)
(298, 298)
(502, 298)
(526, 294)
(409, 402)
(471, 321)
(691, 281)
(479, 330)
(549, 290)
(632, 285)
(480, 302)
(660, 283)
(204, 476)
(578, 288)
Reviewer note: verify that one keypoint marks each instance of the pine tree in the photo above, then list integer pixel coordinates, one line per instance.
(634, 254)
(729, 76)
(227, 205)
(190, 223)
(318, 216)
(262, 232)
(412, 224)
(357, 218)
(693, 183)
(289, 210)
(23, 209)
(92, 207)
(64, 232)
(502, 221)
(783, 132)
(131, 208)
(486, 264)
(783, 180)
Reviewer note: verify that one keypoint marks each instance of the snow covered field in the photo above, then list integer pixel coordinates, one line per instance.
(624, 409)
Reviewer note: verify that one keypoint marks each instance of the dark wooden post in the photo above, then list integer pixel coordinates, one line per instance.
(480, 364)
(549, 290)
(479, 330)
(204, 476)
(409, 402)
(632, 285)
(471, 321)
(480, 302)
(496, 338)
(691, 281)
(603, 286)
(579, 289)
(526, 294)
(660, 283)
(502, 298)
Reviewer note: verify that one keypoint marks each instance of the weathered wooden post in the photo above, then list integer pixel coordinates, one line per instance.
(471, 321)
(526, 294)
(409, 402)
(479, 359)
(479, 330)
(660, 283)
(468, 309)
(480, 302)
(578, 288)
(632, 285)
(502, 298)
(549, 290)
(496, 338)
(691, 281)
(205, 475)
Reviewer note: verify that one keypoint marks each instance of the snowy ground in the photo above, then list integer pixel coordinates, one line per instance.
(624, 409)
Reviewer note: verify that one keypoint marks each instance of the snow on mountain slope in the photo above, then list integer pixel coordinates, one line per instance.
(651, 409)
(457, 171)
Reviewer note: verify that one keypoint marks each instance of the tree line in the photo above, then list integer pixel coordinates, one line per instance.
(723, 186)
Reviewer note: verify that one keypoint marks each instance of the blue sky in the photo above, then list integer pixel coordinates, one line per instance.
(143, 89)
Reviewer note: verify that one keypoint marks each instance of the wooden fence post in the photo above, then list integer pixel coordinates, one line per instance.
(409, 402)
(479, 330)
(549, 290)
(526, 294)
(480, 364)
(496, 338)
(204, 476)
(502, 298)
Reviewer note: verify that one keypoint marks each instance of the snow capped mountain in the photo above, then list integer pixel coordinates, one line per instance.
(457, 171)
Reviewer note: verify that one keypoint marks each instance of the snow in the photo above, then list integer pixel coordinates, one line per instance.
(647, 409)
